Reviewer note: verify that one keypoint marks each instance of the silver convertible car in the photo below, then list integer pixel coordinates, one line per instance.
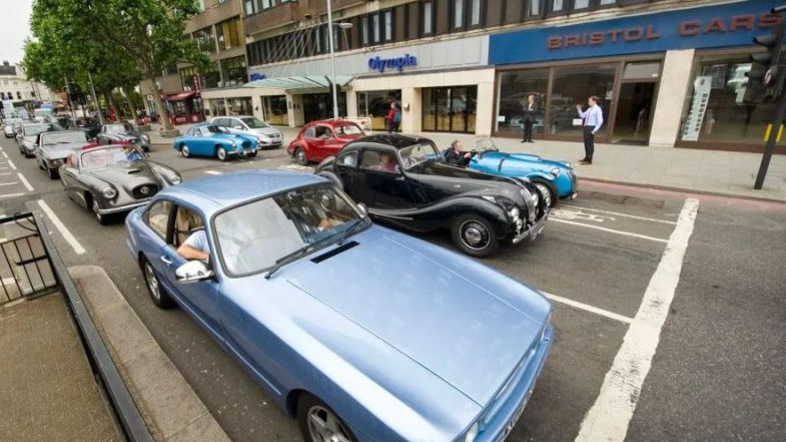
(359, 332)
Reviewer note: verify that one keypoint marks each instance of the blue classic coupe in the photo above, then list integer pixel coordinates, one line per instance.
(212, 140)
(555, 179)
(359, 332)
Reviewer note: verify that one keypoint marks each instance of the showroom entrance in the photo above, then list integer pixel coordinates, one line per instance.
(636, 102)
(320, 106)
(450, 109)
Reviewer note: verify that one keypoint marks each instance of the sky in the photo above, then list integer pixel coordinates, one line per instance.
(14, 28)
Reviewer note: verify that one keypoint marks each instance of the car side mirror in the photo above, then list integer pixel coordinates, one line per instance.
(363, 209)
(193, 271)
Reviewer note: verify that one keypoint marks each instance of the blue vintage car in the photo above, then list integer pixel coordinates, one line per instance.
(212, 140)
(359, 332)
(556, 179)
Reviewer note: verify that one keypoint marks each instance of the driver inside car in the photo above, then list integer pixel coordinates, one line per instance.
(454, 157)
(386, 162)
(195, 247)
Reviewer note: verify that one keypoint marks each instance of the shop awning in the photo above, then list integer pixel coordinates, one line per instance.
(181, 96)
(301, 82)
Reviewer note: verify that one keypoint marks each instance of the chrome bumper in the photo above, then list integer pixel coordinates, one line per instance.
(124, 208)
(532, 231)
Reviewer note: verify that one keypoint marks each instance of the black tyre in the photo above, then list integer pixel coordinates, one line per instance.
(547, 191)
(53, 174)
(157, 293)
(184, 151)
(300, 156)
(474, 235)
(221, 153)
(102, 219)
(319, 423)
(253, 154)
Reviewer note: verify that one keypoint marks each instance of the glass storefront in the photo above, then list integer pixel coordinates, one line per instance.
(376, 105)
(450, 109)
(218, 107)
(571, 86)
(320, 106)
(515, 87)
(275, 109)
(239, 106)
(723, 105)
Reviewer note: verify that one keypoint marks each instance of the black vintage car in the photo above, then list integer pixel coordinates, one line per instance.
(123, 133)
(113, 179)
(402, 182)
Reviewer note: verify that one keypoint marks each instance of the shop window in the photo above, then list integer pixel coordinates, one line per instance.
(228, 34)
(572, 86)
(218, 107)
(376, 104)
(239, 106)
(514, 89)
(275, 109)
(205, 40)
(641, 71)
(726, 107)
(427, 18)
(234, 71)
(458, 14)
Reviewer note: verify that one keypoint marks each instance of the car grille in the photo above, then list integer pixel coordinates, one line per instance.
(144, 191)
(246, 145)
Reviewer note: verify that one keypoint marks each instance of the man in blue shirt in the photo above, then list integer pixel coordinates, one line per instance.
(593, 120)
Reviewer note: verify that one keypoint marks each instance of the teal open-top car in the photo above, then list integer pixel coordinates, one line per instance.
(212, 140)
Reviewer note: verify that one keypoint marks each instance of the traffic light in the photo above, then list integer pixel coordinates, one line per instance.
(765, 64)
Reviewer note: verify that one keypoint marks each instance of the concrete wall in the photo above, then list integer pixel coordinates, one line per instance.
(674, 85)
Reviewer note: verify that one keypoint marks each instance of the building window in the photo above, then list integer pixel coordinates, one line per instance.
(474, 16)
(212, 76)
(427, 18)
(514, 89)
(18, 95)
(250, 7)
(458, 14)
(580, 4)
(205, 40)
(557, 5)
(572, 85)
(725, 107)
(189, 78)
(532, 8)
(375, 27)
(364, 30)
(234, 71)
(228, 34)
(388, 25)
(608, 2)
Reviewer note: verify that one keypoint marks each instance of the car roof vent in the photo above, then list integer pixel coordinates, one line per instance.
(340, 249)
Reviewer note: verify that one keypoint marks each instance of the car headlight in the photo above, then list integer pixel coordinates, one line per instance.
(514, 213)
(175, 179)
(472, 434)
(234, 143)
(145, 138)
(109, 193)
(555, 171)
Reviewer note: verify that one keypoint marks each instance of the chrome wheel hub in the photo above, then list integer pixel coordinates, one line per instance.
(324, 426)
(474, 235)
(152, 281)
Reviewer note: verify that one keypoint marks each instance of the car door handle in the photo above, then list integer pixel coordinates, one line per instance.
(166, 260)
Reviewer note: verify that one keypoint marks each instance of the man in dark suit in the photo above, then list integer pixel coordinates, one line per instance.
(530, 110)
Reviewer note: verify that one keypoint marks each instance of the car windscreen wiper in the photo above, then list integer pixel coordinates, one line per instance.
(351, 230)
(280, 262)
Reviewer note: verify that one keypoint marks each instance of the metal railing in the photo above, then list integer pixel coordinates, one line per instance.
(44, 256)
(25, 271)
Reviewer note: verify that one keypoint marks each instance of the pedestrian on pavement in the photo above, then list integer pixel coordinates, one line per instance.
(529, 118)
(593, 120)
(393, 118)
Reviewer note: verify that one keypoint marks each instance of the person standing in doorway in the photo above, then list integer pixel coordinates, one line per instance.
(530, 110)
(393, 118)
(593, 120)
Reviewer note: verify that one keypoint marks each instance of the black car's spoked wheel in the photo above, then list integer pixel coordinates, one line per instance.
(546, 193)
(474, 235)
(318, 423)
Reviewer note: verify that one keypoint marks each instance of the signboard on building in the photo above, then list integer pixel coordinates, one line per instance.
(397, 63)
(702, 88)
(713, 26)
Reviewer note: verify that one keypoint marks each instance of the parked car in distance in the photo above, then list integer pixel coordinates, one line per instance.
(403, 181)
(52, 148)
(350, 327)
(113, 179)
(321, 139)
(123, 133)
(8, 127)
(212, 140)
(556, 180)
(267, 136)
(26, 139)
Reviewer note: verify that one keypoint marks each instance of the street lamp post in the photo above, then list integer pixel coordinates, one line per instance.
(342, 25)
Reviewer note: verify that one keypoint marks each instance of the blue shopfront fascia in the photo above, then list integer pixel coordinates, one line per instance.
(718, 26)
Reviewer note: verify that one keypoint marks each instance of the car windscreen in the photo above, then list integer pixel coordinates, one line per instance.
(217, 129)
(418, 153)
(349, 129)
(256, 236)
(35, 129)
(254, 123)
(63, 138)
(118, 128)
(104, 157)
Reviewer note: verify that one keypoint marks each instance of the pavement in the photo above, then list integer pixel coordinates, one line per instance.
(47, 390)
(694, 170)
(709, 368)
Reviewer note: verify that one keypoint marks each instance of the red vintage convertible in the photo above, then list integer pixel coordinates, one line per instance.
(320, 139)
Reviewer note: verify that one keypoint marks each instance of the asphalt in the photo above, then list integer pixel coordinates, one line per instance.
(718, 371)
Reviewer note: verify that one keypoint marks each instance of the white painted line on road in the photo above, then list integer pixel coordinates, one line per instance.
(589, 308)
(9, 184)
(606, 229)
(11, 195)
(4, 168)
(25, 182)
(11, 163)
(609, 417)
(5, 155)
(626, 215)
(213, 172)
(5, 173)
(78, 249)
